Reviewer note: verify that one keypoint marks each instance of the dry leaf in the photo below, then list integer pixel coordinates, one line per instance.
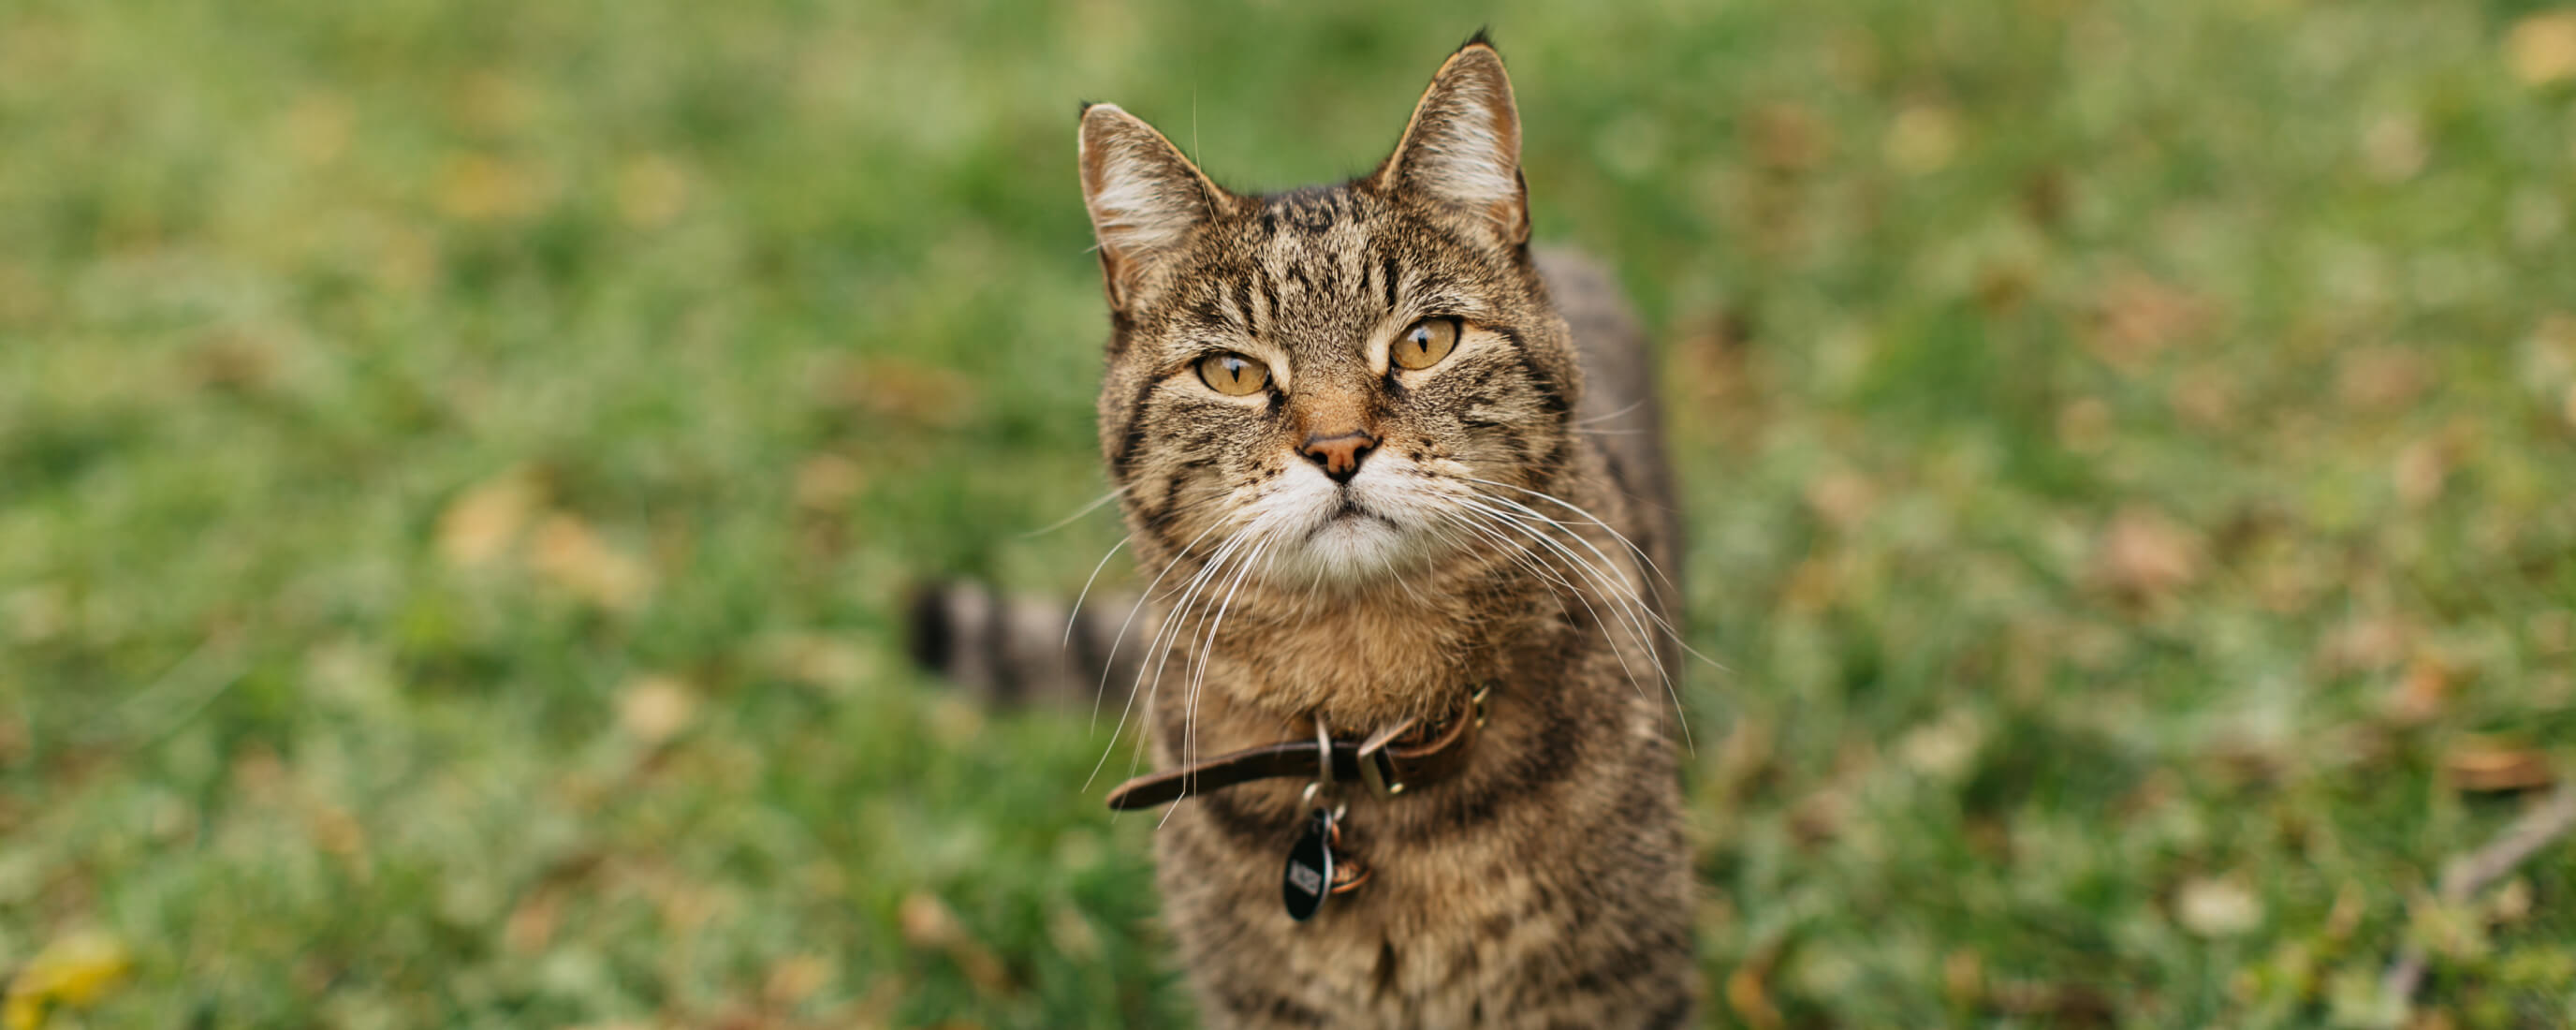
(1842, 498)
(2205, 398)
(1072, 934)
(480, 187)
(1746, 994)
(795, 979)
(2382, 379)
(531, 924)
(2512, 902)
(479, 526)
(926, 921)
(2419, 695)
(2366, 643)
(2213, 907)
(1812, 586)
(928, 924)
(2084, 424)
(2541, 48)
(2488, 767)
(1787, 137)
(338, 833)
(651, 190)
(2552, 632)
(1945, 749)
(826, 482)
(570, 555)
(36, 613)
(1923, 138)
(905, 391)
(1963, 978)
(236, 362)
(655, 708)
(2393, 150)
(2138, 317)
(2419, 472)
(318, 127)
(2350, 904)
(495, 102)
(2144, 555)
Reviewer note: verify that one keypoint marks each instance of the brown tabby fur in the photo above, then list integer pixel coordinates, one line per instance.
(1548, 884)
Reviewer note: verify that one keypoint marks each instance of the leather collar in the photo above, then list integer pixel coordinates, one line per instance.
(1407, 754)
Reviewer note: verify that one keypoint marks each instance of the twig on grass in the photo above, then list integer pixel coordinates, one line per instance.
(2466, 875)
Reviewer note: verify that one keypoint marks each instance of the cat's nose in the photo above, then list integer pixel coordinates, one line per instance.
(1339, 455)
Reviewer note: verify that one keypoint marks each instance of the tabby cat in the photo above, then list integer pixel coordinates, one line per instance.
(1396, 479)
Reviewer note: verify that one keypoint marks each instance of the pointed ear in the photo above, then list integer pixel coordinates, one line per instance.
(1463, 147)
(1144, 196)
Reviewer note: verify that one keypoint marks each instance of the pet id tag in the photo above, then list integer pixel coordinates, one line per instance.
(1308, 879)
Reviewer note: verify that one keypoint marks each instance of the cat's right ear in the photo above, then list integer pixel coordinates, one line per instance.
(1145, 197)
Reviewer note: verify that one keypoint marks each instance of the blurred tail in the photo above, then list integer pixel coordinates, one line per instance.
(1019, 650)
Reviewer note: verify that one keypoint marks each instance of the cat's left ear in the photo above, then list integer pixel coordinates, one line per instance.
(1463, 148)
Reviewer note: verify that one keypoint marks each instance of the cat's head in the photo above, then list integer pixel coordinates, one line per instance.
(1326, 377)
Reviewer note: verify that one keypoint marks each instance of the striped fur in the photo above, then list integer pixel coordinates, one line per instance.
(1514, 523)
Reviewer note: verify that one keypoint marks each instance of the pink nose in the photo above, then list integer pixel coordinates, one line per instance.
(1339, 455)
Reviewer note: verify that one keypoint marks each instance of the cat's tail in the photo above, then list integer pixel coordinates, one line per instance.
(1014, 649)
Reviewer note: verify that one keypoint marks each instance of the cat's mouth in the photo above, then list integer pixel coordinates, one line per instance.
(1347, 512)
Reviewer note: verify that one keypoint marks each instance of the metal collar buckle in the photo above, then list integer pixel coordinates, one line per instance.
(1377, 768)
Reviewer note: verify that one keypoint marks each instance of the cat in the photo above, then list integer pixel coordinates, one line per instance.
(1396, 475)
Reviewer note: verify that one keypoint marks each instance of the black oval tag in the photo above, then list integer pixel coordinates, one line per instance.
(1308, 879)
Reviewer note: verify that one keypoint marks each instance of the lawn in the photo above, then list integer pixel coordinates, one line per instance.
(461, 465)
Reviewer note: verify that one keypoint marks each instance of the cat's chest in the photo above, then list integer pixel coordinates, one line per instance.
(1439, 928)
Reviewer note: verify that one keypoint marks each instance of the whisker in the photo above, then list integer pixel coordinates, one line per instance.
(1592, 519)
(1633, 612)
(1207, 651)
(1607, 416)
(1074, 614)
(1587, 516)
(1070, 519)
(1223, 548)
(1101, 690)
(1621, 601)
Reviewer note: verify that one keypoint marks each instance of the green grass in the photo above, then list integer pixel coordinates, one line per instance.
(460, 461)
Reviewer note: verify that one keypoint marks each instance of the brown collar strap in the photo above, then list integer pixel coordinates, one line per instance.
(1384, 761)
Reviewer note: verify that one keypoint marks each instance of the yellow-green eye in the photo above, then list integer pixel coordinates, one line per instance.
(1423, 345)
(1233, 374)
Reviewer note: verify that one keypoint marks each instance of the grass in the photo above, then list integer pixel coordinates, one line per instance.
(459, 463)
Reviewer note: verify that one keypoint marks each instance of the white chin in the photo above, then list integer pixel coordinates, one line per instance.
(1350, 549)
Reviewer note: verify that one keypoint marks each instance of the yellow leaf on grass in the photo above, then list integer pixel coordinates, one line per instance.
(74, 971)
(2541, 49)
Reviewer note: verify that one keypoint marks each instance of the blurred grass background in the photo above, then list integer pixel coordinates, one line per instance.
(460, 462)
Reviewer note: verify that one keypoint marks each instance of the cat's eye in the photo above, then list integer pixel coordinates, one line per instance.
(1233, 374)
(1425, 343)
